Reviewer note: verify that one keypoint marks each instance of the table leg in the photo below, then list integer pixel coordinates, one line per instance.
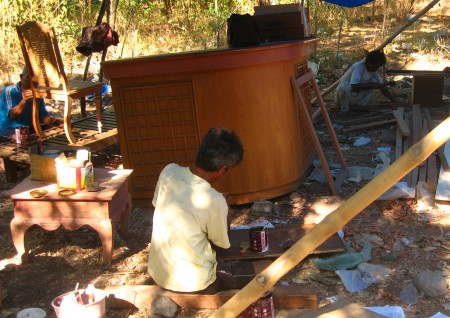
(125, 219)
(105, 230)
(18, 229)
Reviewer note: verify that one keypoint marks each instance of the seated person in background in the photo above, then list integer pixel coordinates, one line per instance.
(357, 85)
(191, 219)
(16, 108)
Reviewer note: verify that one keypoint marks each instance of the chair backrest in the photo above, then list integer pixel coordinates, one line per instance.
(42, 56)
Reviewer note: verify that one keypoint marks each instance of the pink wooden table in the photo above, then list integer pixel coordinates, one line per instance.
(100, 210)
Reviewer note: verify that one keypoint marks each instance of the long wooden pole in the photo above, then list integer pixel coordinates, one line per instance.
(388, 40)
(335, 221)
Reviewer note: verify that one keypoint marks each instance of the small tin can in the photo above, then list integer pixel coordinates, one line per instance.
(263, 307)
(22, 134)
(259, 239)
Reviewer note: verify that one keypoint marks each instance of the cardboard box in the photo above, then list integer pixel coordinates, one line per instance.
(70, 177)
(282, 22)
(42, 161)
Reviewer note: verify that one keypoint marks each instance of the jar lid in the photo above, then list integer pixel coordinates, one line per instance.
(32, 313)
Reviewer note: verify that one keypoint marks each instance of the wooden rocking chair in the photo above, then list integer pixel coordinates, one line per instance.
(48, 79)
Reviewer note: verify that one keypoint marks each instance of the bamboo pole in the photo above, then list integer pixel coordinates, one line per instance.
(387, 41)
(335, 221)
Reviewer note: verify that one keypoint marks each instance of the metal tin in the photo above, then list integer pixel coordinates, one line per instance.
(263, 307)
(259, 239)
(22, 134)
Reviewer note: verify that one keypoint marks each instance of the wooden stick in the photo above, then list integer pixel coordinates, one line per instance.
(334, 221)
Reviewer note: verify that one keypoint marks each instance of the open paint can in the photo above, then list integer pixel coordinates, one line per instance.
(263, 307)
(259, 239)
(22, 134)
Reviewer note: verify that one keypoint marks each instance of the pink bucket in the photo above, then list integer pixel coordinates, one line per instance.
(93, 310)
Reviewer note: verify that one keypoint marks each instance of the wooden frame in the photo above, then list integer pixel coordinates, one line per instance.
(308, 78)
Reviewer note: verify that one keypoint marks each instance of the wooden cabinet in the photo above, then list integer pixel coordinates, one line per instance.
(165, 104)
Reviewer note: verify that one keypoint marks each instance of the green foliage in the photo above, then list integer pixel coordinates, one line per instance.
(149, 27)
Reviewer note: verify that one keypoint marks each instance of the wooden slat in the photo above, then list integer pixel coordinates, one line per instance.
(370, 125)
(360, 121)
(416, 135)
(440, 151)
(406, 144)
(423, 168)
(141, 297)
(443, 186)
(401, 125)
(399, 137)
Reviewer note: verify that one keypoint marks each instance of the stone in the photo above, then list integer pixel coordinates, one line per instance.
(409, 294)
(433, 284)
(262, 208)
(163, 306)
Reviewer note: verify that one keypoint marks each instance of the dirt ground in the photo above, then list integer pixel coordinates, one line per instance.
(62, 258)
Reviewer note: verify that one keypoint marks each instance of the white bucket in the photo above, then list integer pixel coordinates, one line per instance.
(94, 310)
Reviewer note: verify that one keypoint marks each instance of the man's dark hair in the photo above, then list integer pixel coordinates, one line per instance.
(220, 148)
(375, 57)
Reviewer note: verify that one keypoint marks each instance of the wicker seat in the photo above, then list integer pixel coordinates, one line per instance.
(46, 69)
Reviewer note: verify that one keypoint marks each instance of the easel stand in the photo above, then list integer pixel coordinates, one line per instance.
(308, 78)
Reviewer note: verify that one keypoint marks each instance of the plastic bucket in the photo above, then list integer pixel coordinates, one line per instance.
(93, 310)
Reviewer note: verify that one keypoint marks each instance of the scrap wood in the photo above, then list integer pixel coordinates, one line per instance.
(401, 125)
(416, 135)
(399, 138)
(440, 150)
(443, 186)
(369, 125)
(364, 120)
(377, 107)
(141, 296)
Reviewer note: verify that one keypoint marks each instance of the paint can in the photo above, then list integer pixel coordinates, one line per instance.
(22, 134)
(263, 307)
(259, 239)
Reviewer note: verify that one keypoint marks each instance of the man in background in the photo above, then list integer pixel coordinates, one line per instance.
(16, 108)
(357, 86)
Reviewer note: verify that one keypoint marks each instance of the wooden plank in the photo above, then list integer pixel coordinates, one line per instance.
(399, 137)
(376, 107)
(370, 125)
(358, 121)
(431, 163)
(423, 168)
(406, 144)
(401, 125)
(141, 297)
(443, 186)
(416, 135)
(440, 151)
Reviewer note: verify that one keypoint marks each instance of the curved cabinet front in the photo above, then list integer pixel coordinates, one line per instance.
(165, 104)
